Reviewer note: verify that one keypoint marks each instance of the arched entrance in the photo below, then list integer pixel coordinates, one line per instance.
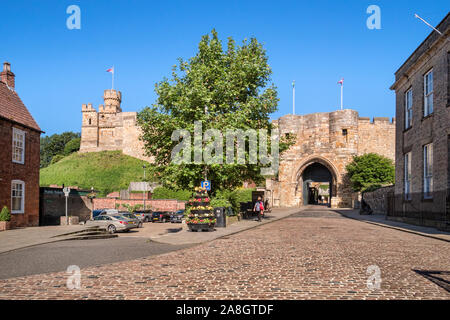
(317, 184)
(320, 174)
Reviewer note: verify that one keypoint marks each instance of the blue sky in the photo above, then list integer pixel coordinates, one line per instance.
(314, 42)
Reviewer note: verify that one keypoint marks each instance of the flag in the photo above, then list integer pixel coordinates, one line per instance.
(110, 70)
(341, 82)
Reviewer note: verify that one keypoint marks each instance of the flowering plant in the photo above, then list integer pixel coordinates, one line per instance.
(197, 220)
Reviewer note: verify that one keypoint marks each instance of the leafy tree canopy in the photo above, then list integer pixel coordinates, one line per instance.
(72, 146)
(224, 89)
(55, 144)
(370, 169)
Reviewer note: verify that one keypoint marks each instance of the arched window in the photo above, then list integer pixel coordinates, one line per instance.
(89, 121)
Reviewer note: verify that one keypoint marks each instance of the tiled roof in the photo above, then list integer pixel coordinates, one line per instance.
(12, 108)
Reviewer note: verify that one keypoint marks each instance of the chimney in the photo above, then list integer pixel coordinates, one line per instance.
(7, 76)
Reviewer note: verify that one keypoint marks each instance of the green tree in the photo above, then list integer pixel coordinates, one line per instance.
(72, 146)
(369, 170)
(223, 89)
(53, 145)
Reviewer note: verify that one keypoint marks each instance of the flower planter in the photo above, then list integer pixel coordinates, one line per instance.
(201, 227)
(193, 211)
(5, 225)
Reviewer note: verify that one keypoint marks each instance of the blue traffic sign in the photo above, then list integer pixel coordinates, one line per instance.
(207, 185)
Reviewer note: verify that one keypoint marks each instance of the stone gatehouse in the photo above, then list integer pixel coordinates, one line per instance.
(326, 142)
(110, 128)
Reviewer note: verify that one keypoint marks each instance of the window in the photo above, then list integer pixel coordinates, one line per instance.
(17, 196)
(18, 146)
(428, 93)
(408, 108)
(408, 176)
(428, 171)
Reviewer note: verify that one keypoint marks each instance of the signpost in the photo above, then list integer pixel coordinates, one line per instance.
(66, 191)
(207, 185)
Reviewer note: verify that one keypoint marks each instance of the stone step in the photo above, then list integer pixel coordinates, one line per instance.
(81, 232)
(90, 237)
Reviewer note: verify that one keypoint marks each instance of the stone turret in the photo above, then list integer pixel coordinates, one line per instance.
(113, 99)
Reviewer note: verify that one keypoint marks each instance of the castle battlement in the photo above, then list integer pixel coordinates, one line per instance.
(378, 120)
(87, 108)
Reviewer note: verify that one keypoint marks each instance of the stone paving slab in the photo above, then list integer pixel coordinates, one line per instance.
(187, 237)
(32, 236)
(299, 257)
(380, 220)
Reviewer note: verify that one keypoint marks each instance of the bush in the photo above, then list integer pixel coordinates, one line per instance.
(220, 202)
(166, 193)
(72, 146)
(235, 197)
(56, 158)
(370, 169)
(4, 214)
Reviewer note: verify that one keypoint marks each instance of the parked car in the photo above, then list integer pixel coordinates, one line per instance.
(96, 212)
(125, 214)
(162, 216)
(145, 215)
(177, 217)
(133, 217)
(112, 223)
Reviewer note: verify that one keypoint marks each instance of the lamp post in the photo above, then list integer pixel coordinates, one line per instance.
(92, 203)
(145, 186)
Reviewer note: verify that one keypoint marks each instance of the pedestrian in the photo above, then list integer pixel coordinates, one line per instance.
(259, 209)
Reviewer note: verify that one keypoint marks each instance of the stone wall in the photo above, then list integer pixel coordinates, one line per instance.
(154, 204)
(378, 199)
(53, 205)
(433, 54)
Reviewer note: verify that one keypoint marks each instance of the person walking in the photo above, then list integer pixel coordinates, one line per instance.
(259, 209)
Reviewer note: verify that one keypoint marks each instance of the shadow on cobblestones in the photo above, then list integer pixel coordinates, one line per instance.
(437, 277)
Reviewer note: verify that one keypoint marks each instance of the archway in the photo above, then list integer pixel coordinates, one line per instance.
(317, 184)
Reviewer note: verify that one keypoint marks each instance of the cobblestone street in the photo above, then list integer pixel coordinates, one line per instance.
(316, 254)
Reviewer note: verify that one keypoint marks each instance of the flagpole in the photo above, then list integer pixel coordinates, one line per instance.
(293, 97)
(342, 96)
(113, 78)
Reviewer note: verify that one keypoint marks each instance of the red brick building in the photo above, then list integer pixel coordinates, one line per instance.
(19, 155)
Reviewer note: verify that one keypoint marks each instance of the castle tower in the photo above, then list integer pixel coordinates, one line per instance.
(89, 128)
(112, 99)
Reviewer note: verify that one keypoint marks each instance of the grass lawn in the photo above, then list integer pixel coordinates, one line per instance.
(106, 171)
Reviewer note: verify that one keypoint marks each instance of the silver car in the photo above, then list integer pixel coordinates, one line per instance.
(129, 216)
(133, 217)
(113, 223)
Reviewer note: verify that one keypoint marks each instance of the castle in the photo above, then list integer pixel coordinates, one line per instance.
(325, 143)
(110, 128)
